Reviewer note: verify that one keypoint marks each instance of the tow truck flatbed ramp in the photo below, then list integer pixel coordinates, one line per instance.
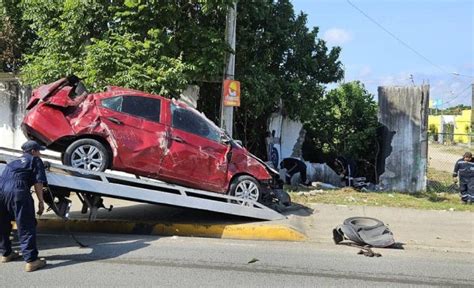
(92, 184)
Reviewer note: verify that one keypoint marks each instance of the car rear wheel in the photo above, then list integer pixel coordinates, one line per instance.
(246, 188)
(87, 154)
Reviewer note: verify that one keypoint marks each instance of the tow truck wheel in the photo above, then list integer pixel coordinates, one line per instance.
(246, 188)
(87, 154)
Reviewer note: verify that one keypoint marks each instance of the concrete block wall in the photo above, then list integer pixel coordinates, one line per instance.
(288, 139)
(13, 100)
(404, 113)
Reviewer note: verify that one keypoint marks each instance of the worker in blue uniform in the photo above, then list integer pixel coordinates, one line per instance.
(464, 169)
(17, 204)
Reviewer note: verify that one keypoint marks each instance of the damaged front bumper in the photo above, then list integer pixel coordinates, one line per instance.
(274, 196)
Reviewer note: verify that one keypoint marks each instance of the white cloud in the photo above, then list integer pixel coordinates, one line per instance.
(451, 89)
(337, 36)
(365, 71)
(400, 79)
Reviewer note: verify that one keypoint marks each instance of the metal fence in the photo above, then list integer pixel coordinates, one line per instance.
(444, 149)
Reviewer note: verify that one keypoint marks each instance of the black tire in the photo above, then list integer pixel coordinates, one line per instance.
(87, 154)
(247, 188)
(363, 223)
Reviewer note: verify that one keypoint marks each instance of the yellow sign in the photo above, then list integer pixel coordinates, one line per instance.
(231, 93)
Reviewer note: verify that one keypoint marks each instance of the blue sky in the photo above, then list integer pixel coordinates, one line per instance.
(442, 31)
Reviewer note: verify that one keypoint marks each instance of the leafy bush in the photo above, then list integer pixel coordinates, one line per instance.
(343, 123)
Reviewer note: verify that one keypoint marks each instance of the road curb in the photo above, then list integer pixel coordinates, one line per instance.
(275, 232)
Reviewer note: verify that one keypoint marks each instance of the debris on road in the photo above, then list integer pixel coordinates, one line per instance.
(253, 261)
(367, 251)
(365, 233)
(321, 185)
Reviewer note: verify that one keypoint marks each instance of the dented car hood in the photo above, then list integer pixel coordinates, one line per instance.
(270, 169)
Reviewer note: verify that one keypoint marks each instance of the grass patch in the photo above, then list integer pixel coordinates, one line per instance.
(440, 181)
(348, 196)
(441, 176)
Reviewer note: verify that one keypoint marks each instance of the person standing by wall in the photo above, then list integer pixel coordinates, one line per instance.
(346, 168)
(464, 169)
(17, 204)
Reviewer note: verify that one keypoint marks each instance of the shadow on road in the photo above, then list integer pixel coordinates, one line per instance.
(298, 210)
(99, 252)
(98, 248)
(170, 214)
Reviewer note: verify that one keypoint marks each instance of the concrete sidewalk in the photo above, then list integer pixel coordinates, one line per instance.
(416, 229)
(426, 229)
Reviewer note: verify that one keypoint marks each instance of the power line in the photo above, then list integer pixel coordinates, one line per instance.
(404, 43)
(462, 75)
(413, 50)
(457, 95)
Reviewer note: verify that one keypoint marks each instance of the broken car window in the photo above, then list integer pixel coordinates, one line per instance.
(79, 90)
(143, 107)
(191, 122)
(114, 103)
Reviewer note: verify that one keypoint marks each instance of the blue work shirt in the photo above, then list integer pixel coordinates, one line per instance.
(463, 168)
(22, 173)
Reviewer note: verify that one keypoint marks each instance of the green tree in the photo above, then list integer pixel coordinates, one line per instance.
(63, 30)
(151, 45)
(15, 35)
(144, 67)
(343, 123)
(161, 46)
(280, 62)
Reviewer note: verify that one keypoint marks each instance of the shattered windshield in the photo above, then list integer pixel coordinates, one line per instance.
(79, 90)
(190, 121)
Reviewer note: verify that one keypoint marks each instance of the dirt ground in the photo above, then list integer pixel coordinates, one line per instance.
(443, 158)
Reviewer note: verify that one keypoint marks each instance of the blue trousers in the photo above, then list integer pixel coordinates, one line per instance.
(466, 187)
(18, 205)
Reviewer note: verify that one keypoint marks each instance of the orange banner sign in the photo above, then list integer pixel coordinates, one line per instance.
(231, 93)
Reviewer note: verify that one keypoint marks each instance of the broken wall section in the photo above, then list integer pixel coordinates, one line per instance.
(285, 140)
(13, 100)
(404, 113)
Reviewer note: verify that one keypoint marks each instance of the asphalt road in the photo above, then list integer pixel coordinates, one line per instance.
(146, 261)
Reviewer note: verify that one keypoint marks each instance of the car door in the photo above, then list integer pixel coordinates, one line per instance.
(196, 156)
(134, 122)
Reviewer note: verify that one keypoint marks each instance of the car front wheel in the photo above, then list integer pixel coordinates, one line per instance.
(87, 154)
(246, 188)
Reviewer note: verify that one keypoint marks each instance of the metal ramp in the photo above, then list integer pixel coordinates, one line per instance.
(90, 186)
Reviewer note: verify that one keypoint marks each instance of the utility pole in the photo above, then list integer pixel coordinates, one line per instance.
(472, 116)
(227, 113)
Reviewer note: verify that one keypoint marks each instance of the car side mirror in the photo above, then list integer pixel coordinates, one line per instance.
(225, 140)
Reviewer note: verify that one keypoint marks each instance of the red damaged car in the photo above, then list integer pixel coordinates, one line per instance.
(146, 135)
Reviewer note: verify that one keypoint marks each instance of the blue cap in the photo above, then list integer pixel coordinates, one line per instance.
(31, 145)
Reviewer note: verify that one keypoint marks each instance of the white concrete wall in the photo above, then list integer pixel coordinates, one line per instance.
(190, 96)
(13, 100)
(403, 111)
(287, 134)
(290, 135)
